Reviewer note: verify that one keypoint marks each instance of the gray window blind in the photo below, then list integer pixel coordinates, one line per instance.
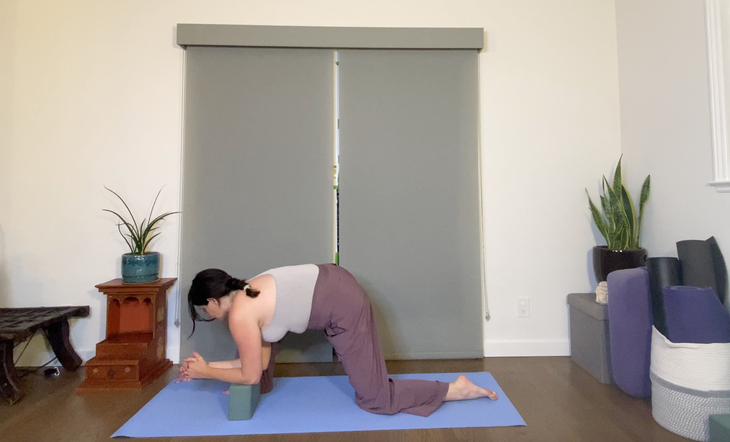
(409, 189)
(257, 178)
(193, 34)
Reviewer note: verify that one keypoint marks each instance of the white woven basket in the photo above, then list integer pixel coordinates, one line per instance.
(684, 411)
(704, 367)
(689, 382)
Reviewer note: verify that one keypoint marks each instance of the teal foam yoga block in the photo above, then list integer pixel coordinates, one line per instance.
(242, 401)
(720, 428)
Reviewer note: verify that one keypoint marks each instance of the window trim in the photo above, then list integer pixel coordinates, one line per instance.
(718, 101)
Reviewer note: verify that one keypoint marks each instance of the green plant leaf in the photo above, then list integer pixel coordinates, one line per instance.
(617, 184)
(147, 242)
(614, 225)
(132, 231)
(125, 205)
(618, 217)
(124, 237)
(605, 203)
(598, 218)
(643, 198)
(608, 206)
(154, 202)
(138, 236)
(629, 217)
(152, 226)
(624, 218)
(619, 220)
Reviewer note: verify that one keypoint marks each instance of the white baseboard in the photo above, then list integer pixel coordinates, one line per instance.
(560, 347)
(173, 353)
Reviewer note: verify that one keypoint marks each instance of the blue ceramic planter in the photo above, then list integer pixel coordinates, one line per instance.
(137, 269)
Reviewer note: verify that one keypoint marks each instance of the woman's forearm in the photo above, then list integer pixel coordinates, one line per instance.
(225, 364)
(232, 375)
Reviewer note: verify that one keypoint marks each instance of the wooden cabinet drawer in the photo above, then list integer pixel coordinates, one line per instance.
(113, 372)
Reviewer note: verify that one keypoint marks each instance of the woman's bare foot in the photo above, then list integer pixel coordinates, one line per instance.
(463, 388)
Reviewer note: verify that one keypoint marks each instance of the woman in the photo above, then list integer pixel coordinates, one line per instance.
(315, 297)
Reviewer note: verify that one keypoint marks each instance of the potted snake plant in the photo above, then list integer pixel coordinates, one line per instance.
(139, 265)
(620, 225)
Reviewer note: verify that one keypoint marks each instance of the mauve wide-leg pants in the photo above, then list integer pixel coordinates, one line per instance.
(342, 309)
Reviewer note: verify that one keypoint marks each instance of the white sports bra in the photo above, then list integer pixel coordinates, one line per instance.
(294, 292)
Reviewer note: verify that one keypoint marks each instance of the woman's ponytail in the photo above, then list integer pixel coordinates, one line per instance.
(241, 284)
(234, 284)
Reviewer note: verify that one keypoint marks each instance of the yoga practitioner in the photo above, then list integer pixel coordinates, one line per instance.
(315, 297)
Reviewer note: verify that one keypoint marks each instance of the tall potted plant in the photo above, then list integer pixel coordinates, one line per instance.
(620, 225)
(139, 265)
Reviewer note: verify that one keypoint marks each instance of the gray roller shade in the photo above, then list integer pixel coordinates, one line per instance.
(190, 34)
(409, 197)
(257, 169)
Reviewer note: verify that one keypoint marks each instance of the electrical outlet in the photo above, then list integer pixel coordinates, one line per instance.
(523, 307)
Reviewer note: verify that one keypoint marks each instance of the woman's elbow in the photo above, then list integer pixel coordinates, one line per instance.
(251, 379)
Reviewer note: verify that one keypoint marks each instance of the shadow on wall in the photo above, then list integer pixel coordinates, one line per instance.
(4, 277)
(598, 240)
(589, 269)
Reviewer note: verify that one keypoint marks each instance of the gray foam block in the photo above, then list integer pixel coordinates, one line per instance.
(242, 401)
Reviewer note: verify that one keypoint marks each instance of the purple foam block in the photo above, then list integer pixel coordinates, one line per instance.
(630, 322)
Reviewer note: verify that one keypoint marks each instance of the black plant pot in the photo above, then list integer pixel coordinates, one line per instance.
(606, 261)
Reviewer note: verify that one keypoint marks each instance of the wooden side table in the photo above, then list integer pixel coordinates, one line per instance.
(133, 353)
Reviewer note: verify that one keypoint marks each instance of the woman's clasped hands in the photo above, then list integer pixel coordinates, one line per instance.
(193, 368)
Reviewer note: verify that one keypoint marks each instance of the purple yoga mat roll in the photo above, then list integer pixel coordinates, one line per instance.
(695, 315)
(629, 324)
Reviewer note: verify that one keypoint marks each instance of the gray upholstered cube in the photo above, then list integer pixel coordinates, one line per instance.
(589, 338)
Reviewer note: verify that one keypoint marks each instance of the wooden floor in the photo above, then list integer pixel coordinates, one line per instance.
(559, 401)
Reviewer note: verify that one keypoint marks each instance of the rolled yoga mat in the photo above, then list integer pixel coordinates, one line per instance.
(629, 324)
(663, 272)
(314, 404)
(695, 316)
(703, 265)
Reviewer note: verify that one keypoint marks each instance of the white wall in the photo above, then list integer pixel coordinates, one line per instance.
(96, 99)
(7, 34)
(550, 129)
(665, 121)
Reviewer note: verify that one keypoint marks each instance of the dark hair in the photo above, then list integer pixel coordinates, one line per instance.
(213, 283)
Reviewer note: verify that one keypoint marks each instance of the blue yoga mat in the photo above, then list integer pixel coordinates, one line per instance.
(306, 405)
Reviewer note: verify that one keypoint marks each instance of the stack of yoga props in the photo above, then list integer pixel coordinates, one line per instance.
(315, 404)
(690, 360)
(670, 336)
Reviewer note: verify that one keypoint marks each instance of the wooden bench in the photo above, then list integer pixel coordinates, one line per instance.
(20, 324)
